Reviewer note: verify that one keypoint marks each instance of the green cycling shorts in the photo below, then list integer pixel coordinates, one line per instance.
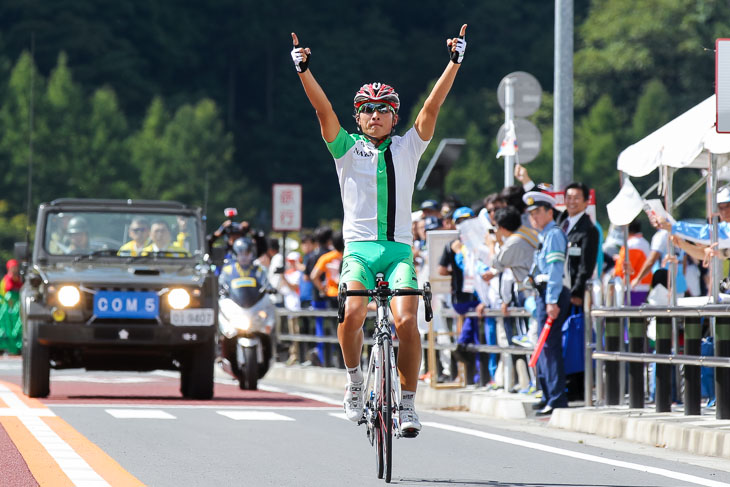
(362, 260)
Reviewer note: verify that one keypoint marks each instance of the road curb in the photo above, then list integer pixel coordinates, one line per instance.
(700, 435)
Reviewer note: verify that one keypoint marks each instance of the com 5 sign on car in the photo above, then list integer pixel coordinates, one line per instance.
(118, 304)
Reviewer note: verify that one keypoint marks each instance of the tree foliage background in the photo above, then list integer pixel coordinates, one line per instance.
(199, 102)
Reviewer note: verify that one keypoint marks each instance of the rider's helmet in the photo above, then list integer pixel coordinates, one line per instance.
(244, 249)
(77, 224)
(462, 213)
(377, 92)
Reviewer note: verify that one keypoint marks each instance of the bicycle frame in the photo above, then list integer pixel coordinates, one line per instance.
(383, 344)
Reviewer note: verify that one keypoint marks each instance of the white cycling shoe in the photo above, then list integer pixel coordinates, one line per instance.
(410, 426)
(354, 401)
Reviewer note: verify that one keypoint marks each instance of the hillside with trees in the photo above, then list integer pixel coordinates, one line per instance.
(199, 101)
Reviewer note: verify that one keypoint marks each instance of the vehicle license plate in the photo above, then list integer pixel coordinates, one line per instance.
(192, 317)
(126, 304)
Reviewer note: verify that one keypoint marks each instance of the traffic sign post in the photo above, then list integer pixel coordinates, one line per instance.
(519, 94)
(286, 207)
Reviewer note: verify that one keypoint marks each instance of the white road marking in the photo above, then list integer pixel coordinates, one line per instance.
(200, 406)
(16, 407)
(75, 467)
(26, 412)
(255, 416)
(580, 456)
(140, 414)
(305, 395)
(101, 380)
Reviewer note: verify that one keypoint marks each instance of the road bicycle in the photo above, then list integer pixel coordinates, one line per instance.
(382, 384)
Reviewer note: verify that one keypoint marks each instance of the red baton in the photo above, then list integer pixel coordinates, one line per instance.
(541, 342)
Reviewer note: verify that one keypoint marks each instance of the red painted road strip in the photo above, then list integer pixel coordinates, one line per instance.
(158, 391)
(14, 470)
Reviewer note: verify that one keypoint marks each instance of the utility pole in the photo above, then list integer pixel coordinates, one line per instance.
(563, 111)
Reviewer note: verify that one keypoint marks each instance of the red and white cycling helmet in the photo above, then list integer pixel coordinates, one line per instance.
(377, 92)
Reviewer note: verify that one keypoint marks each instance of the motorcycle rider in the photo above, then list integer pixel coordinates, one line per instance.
(244, 274)
(245, 282)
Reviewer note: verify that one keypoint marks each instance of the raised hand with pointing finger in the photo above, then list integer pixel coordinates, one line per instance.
(299, 55)
(457, 46)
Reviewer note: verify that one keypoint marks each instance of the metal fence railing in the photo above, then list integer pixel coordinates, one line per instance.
(615, 339)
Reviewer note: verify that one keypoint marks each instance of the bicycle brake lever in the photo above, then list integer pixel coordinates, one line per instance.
(341, 298)
(428, 311)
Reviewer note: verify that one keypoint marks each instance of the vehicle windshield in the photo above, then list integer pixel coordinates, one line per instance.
(89, 234)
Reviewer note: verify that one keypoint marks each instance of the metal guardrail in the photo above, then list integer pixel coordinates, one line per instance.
(602, 347)
(709, 310)
(612, 350)
(430, 344)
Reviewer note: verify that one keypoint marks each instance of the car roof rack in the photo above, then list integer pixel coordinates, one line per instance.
(96, 203)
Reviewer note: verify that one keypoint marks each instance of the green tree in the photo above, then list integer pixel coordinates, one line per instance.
(108, 169)
(623, 44)
(598, 141)
(652, 110)
(15, 129)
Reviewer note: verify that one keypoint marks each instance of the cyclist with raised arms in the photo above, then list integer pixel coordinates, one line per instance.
(377, 172)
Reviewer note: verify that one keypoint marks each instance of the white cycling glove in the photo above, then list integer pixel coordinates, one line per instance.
(298, 55)
(457, 55)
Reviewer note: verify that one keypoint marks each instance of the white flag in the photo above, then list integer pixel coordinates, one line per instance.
(509, 144)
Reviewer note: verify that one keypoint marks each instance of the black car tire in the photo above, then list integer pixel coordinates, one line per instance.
(196, 376)
(250, 369)
(36, 365)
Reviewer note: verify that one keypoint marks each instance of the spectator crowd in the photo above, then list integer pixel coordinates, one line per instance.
(518, 248)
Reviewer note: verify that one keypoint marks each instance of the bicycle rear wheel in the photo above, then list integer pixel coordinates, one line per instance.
(387, 412)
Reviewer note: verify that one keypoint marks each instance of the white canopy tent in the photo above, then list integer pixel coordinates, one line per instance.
(683, 142)
(688, 141)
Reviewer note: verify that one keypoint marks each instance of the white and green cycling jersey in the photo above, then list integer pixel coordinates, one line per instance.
(376, 185)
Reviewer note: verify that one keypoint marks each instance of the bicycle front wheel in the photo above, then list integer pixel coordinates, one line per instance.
(378, 407)
(387, 411)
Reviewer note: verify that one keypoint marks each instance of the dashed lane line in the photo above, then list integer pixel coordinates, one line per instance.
(139, 414)
(255, 416)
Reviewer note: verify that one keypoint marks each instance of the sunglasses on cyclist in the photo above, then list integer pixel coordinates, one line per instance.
(370, 108)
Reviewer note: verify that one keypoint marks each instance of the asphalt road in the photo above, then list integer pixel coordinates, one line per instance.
(287, 435)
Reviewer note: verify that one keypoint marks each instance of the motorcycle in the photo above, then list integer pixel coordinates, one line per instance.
(246, 331)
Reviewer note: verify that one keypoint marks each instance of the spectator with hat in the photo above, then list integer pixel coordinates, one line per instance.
(552, 299)
(430, 208)
(11, 281)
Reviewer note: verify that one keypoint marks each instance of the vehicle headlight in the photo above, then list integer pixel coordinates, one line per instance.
(178, 298)
(69, 296)
(244, 324)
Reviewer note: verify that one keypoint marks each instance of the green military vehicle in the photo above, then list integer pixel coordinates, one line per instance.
(119, 285)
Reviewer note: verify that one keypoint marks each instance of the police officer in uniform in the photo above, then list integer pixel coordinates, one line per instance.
(552, 299)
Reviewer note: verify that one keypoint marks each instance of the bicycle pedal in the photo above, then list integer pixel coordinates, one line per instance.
(409, 433)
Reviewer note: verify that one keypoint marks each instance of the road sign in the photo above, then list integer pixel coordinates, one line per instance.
(528, 93)
(528, 140)
(287, 207)
(722, 85)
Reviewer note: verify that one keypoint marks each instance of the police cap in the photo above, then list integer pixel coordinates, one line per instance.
(533, 199)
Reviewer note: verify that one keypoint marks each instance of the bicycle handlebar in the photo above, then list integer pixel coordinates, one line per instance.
(384, 292)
